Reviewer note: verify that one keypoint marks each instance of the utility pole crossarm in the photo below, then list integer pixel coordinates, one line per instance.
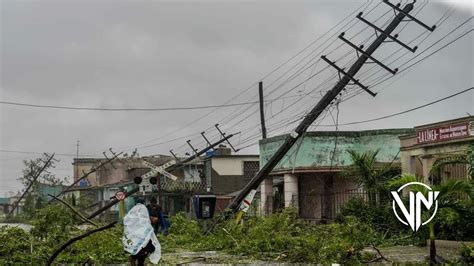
(192, 148)
(207, 140)
(359, 49)
(168, 169)
(397, 7)
(199, 153)
(325, 101)
(223, 136)
(174, 155)
(387, 34)
(356, 81)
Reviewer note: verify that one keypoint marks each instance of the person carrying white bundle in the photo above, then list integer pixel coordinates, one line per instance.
(139, 238)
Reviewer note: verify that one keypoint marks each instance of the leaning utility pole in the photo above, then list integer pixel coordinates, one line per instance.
(85, 175)
(171, 168)
(332, 94)
(33, 180)
(262, 111)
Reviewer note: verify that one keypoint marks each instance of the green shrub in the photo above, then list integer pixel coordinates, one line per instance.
(456, 222)
(102, 248)
(281, 235)
(467, 254)
(383, 221)
(15, 245)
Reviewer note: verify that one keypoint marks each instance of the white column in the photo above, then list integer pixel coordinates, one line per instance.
(266, 196)
(290, 188)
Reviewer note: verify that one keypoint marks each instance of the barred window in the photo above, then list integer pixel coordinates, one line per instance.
(250, 169)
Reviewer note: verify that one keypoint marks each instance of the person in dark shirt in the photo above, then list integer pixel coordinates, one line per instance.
(154, 210)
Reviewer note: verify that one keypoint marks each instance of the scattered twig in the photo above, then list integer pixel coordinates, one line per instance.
(380, 257)
(74, 210)
(227, 232)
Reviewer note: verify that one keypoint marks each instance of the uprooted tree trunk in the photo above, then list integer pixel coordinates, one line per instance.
(72, 240)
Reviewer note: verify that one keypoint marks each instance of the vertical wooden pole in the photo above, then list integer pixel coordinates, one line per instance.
(262, 110)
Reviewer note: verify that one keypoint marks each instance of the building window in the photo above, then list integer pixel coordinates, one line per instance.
(250, 169)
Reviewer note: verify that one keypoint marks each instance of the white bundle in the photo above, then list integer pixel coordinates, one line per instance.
(137, 232)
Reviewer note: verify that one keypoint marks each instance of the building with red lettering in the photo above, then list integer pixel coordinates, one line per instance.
(434, 143)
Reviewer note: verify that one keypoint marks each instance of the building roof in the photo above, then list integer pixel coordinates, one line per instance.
(235, 156)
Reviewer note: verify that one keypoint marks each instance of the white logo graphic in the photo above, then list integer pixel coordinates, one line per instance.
(413, 216)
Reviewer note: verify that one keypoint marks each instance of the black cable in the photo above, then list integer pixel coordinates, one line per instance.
(298, 72)
(358, 92)
(265, 76)
(406, 111)
(125, 109)
(425, 57)
(305, 57)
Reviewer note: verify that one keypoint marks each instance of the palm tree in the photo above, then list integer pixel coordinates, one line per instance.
(451, 194)
(466, 158)
(368, 174)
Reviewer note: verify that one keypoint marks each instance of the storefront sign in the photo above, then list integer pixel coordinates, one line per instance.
(444, 133)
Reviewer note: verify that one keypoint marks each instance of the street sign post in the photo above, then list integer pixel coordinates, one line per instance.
(120, 195)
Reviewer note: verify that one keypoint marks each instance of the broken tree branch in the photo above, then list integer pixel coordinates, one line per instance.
(74, 210)
(74, 239)
(381, 256)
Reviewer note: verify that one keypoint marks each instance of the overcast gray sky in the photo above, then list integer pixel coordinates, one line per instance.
(151, 54)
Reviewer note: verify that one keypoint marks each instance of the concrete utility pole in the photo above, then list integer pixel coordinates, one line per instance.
(262, 110)
(77, 149)
(35, 177)
(76, 167)
(169, 169)
(329, 97)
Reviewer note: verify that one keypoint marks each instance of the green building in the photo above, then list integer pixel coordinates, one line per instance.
(309, 176)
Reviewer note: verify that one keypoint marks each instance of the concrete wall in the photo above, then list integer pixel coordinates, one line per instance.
(227, 172)
(84, 167)
(316, 148)
(232, 165)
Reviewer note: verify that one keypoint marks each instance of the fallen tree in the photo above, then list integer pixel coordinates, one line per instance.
(74, 239)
